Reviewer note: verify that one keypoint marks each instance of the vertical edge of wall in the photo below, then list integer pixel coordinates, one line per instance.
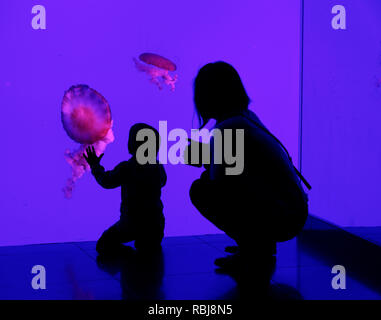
(324, 239)
(301, 42)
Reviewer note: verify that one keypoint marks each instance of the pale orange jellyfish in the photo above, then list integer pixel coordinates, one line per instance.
(86, 118)
(158, 68)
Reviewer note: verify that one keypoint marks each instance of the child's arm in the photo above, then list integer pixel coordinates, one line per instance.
(107, 179)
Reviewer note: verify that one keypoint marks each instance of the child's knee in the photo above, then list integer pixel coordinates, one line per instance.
(151, 242)
(102, 244)
(108, 240)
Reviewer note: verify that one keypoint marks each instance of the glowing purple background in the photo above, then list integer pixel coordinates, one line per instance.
(341, 153)
(93, 42)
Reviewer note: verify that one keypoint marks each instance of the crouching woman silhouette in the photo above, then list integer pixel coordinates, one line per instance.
(264, 204)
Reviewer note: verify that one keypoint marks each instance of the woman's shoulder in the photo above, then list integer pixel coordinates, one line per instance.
(242, 120)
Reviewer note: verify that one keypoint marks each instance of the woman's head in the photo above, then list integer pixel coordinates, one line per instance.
(219, 92)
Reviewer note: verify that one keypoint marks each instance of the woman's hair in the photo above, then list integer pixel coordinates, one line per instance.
(218, 91)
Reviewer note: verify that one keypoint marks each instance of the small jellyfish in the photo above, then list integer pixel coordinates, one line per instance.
(86, 118)
(158, 68)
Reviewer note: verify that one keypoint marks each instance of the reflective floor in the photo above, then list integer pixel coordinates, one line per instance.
(372, 234)
(184, 271)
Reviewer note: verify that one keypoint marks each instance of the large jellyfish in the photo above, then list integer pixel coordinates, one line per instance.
(86, 118)
(158, 68)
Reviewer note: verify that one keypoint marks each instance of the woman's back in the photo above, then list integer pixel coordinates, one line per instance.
(267, 171)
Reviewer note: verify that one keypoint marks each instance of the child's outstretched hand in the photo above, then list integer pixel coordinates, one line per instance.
(91, 156)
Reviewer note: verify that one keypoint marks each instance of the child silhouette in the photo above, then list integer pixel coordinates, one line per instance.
(141, 209)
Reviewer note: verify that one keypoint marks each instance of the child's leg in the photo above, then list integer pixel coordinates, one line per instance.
(151, 235)
(111, 240)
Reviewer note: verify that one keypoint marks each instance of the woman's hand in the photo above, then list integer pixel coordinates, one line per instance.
(188, 153)
(91, 156)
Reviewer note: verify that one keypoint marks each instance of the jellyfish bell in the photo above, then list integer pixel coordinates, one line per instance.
(86, 118)
(85, 114)
(158, 68)
(158, 61)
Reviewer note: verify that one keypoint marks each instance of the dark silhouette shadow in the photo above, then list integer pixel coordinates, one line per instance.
(281, 291)
(255, 284)
(263, 204)
(253, 279)
(141, 272)
(141, 218)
